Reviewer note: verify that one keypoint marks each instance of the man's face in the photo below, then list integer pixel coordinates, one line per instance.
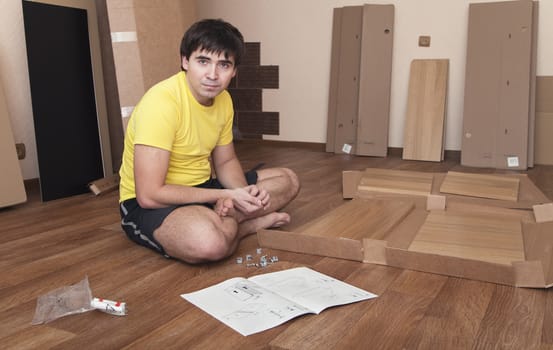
(208, 74)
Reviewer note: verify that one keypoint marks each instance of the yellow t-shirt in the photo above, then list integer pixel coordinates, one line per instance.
(170, 118)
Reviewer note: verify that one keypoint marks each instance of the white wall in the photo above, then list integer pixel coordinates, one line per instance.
(296, 36)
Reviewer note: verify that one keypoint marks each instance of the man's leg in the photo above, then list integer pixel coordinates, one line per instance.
(283, 186)
(197, 234)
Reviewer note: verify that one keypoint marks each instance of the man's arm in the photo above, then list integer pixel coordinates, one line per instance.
(150, 169)
(231, 175)
(227, 167)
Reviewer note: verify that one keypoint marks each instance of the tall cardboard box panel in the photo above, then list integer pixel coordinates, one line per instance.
(497, 85)
(347, 89)
(375, 80)
(544, 120)
(360, 80)
(12, 190)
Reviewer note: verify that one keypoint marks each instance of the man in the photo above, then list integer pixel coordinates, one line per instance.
(182, 125)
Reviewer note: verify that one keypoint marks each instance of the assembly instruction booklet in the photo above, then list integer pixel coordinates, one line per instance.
(265, 301)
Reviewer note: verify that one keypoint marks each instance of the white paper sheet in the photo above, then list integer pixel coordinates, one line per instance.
(268, 300)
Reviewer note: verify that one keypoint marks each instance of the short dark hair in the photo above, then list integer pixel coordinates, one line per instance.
(214, 36)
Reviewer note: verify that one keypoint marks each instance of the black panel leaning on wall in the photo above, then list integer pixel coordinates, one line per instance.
(246, 89)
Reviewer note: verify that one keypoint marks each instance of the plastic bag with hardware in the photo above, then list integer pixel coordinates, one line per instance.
(63, 301)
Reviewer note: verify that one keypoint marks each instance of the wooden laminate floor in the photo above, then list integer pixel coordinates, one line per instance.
(44, 246)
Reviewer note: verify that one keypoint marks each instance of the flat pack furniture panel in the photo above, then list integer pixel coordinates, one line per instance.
(481, 185)
(497, 85)
(359, 219)
(340, 232)
(477, 239)
(12, 189)
(348, 79)
(426, 108)
(375, 80)
(474, 236)
(396, 181)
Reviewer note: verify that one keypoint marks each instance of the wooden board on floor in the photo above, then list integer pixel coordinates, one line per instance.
(481, 185)
(396, 181)
(426, 107)
(482, 237)
(341, 229)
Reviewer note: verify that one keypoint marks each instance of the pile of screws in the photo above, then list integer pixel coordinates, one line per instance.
(264, 261)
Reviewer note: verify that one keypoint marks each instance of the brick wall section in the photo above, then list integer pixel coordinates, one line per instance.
(246, 89)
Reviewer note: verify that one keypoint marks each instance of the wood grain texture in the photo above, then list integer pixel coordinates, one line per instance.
(423, 137)
(396, 181)
(358, 219)
(471, 236)
(413, 309)
(481, 185)
(340, 232)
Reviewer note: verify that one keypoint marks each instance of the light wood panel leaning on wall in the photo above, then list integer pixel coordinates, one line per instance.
(426, 108)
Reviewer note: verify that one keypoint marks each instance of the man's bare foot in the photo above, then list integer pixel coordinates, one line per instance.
(281, 219)
(223, 206)
(271, 220)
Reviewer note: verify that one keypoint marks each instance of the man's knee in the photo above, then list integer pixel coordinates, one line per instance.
(215, 246)
(293, 181)
(201, 241)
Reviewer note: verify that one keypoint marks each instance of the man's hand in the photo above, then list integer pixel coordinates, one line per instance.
(260, 194)
(249, 199)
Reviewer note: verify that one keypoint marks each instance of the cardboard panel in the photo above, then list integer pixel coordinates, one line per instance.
(334, 71)
(348, 79)
(481, 185)
(532, 101)
(497, 85)
(344, 248)
(12, 190)
(375, 80)
(426, 107)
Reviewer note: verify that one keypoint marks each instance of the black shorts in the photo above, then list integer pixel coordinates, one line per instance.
(139, 224)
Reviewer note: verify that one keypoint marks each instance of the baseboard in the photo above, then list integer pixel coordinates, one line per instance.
(449, 155)
(314, 146)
